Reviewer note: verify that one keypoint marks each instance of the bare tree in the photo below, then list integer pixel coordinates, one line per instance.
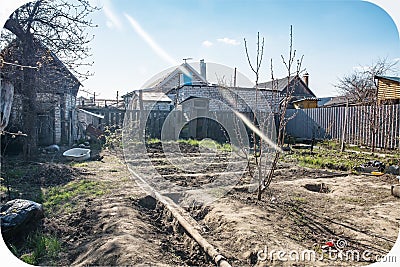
(291, 63)
(260, 154)
(266, 162)
(361, 88)
(60, 26)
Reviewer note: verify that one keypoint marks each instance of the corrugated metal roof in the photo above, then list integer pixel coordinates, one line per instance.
(323, 100)
(155, 97)
(306, 98)
(90, 113)
(280, 83)
(395, 79)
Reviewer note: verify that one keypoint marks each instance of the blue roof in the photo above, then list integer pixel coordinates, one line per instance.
(395, 79)
(323, 100)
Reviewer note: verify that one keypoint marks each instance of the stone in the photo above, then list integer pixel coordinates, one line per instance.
(395, 190)
(19, 217)
(393, 169)
(52, 149)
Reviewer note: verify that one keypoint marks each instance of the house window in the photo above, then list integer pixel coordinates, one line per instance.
(185, 79)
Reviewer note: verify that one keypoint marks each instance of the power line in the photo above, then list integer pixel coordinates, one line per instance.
(15, 64)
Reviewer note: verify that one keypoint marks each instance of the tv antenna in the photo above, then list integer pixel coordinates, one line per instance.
(185, 59)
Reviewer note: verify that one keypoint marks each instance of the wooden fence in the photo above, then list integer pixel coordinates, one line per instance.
(112, 116)
(363, 125)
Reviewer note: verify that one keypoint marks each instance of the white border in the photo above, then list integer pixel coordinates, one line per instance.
(392, 7)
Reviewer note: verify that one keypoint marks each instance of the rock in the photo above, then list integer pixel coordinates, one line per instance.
(52, 149)
(19, 217)
(394, 169)
(97, 157)
(395, 190)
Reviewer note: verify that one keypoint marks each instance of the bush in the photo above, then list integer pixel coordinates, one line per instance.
(112, 138)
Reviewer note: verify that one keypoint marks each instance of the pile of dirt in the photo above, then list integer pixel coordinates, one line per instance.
(154, 147)
(289, 172)
(184, 148)
(73, 227)
(26, 180)
(53, 174)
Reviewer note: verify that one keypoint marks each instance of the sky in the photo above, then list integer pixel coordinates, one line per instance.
(135, 39)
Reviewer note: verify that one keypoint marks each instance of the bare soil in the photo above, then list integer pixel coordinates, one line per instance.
(303, 209)
(357, 209)
(118, 228)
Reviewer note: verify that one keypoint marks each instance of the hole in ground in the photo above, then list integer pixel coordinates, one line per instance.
(319, 188)
(148, 202)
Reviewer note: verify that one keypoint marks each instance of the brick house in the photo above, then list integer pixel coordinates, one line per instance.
(57, 90)
(185, 82)
(190, 91)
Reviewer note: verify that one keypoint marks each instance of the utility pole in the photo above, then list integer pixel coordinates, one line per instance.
(117, 98)
(234, 78)
(234, 86)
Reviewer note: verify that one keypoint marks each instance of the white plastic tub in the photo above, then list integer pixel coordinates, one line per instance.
(77, 154)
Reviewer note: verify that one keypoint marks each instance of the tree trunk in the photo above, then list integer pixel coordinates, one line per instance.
(29, 94)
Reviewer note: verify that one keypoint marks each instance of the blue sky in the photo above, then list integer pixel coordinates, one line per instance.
(334, 37)
(136, 39)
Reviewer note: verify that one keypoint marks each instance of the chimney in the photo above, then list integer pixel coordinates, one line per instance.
(203, 69)
(306, 78)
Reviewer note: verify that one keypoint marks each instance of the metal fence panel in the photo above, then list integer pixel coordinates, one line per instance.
(365, 125)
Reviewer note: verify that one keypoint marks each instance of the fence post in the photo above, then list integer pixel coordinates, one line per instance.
(344, 125)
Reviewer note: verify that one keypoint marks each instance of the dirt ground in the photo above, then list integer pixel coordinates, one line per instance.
(303, 210)
(118, 228)
(357, 209)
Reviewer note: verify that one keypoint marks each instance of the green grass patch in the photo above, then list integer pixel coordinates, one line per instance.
(153, 141)
(192, 142)
(78, 164)
(336, 145)
(16, 172)
(208, 143)
(38, 248)
(112, 137)
(335, 160)
(300, 199)
(65, 197)
(3, 188)
(354, 200)
(322, 161)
